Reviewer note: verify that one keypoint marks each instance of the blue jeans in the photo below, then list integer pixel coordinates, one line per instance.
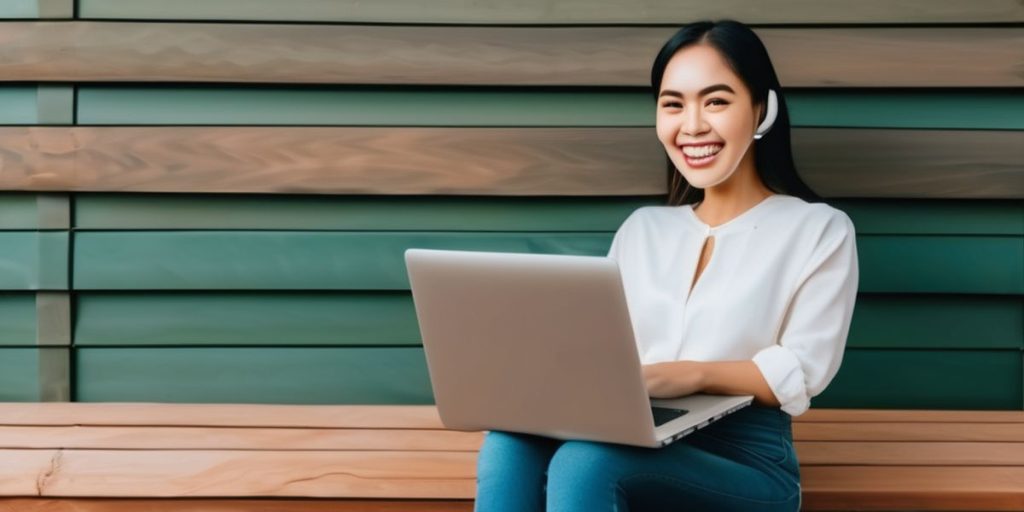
(743, 462)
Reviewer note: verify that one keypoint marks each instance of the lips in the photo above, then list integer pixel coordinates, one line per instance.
(701, 154)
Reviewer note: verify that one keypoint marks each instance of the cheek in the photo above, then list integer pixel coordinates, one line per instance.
(666, 132)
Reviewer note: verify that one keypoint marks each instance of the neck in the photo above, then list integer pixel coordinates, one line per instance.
(742, 191)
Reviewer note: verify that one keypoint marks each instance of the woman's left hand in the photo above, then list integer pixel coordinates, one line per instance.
(673, 379)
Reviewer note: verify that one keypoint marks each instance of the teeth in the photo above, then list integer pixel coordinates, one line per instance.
(701, 151)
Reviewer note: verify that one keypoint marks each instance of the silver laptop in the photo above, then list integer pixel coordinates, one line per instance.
(542, 344)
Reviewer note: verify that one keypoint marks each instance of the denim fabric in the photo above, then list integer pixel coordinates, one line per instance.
(743, 462)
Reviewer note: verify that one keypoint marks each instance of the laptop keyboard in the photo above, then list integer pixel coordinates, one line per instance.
(663, 415)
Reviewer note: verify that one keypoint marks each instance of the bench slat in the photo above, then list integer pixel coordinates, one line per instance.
(212, 473)
(230, 505)
(911, 488)
(834, 453)
(222, 415)
(907, 431)
(226, 438)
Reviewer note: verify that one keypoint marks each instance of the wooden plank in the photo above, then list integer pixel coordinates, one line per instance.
(823, 415)
(908, 431)
(17, 319)
(369, 213)
(987, 379)
(595, 161)
(912, 488)
(560, 12)
(229, 505)
(984, 379)
(18, 104)
(283, 375)
(290, 260)
(34, 260)
(917, 453)
(932, 217)
(32, 212)
(936, 264)
(911, 163)
(153, 318)
(101, 104)
(87, 51)
(230, 438)
(215, 473)
(56, 9)
(56, 104)
(503, 161)
(391, 416)
(19, 9)
(936, 321)
(222, 415)
(993, 109)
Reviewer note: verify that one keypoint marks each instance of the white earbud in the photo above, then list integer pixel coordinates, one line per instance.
(769, 119)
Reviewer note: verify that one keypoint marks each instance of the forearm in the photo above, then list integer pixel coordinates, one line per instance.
(737, 378)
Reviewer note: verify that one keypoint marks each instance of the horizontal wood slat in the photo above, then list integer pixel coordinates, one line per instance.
(246, 457)
(230, 438)
(563, 11)
(214, 473)
(386, 54)
(223, 415)
(910, 431)
(507, 161)
(229, 505)
(912, 488)
(383, 416)
(485, 161)
(218, 105)
(916, 453)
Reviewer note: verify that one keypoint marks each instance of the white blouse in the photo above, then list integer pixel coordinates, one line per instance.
(779, 289)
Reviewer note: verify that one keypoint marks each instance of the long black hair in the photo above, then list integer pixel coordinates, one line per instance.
(748, 58)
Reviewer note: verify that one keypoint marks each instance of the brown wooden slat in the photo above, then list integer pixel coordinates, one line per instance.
(660, 12)
(839, 431)
(838, 453)
(191, 473)
(227, 438)
(912, 488)
(909, 416)
(86, 51)
(507, 161)
(229, 505)
(912, 163)
(226, 415)
(485, 161)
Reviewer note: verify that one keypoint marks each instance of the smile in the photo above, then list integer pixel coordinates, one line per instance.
(701, 156)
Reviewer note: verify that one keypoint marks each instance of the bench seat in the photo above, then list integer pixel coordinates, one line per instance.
(92, 457)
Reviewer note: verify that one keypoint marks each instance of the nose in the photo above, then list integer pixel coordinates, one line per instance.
(693, 122)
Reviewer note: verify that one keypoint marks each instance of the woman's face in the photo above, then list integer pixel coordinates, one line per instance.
(705, 118)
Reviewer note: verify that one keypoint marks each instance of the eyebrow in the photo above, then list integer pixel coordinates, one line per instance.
(707, 90)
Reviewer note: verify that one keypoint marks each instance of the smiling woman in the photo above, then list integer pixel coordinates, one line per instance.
(713, 82)
(744, 284)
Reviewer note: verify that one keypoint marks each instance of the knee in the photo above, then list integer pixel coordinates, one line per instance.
(587, 459)
(505, 453)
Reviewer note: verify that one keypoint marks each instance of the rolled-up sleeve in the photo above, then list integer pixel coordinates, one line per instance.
(814, 329)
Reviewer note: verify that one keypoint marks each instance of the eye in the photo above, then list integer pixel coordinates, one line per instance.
(718, 101)
(672, 104)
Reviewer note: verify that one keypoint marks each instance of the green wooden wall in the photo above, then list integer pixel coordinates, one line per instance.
(261, 298)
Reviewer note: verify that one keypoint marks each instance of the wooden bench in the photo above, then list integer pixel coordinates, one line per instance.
(92, 457)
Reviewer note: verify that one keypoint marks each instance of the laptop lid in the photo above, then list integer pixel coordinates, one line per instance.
(533, 343)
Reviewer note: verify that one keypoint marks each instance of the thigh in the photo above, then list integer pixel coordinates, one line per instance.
(512, 472)
(727, 470)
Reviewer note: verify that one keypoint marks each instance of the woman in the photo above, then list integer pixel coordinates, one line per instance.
(743, 285)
